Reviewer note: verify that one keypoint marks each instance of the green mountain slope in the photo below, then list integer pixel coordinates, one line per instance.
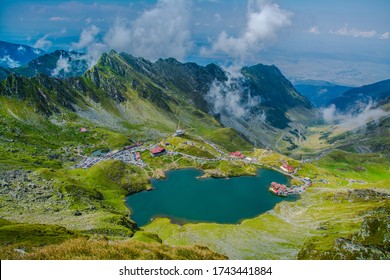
(113, 96)
(268, 100)
(354, 99)
(118, 82)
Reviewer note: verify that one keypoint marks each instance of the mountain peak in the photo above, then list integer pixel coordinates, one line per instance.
(169, 60)
(112, 52)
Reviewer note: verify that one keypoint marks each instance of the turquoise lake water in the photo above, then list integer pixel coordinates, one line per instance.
(184, 198)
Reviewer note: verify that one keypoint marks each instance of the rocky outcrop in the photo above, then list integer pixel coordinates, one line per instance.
(371, 241)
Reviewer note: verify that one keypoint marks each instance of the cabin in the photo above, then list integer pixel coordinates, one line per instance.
(287, 168)
(158, 151)
(83, 129)
(179, 132)
(237, 154)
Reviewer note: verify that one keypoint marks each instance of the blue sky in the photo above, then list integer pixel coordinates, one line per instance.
(347, 42)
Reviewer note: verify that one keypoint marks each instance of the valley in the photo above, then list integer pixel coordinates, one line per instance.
(60, 198)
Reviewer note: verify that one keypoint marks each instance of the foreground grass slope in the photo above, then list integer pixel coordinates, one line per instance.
(81, 249)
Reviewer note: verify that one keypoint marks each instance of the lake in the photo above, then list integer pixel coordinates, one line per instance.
(184, 198)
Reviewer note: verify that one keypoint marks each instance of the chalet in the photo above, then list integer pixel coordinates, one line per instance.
(287, 168)
(83, 129)
(237, 154)
(179, 132)
(157, 151)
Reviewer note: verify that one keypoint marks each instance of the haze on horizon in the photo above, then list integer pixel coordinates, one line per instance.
(345, 42)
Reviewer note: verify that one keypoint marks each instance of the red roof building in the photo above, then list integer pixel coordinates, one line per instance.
(157, 151)
(287, 168)
(237, 154)
(278, 189)
(138, 156)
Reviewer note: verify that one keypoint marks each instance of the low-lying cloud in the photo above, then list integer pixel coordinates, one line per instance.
(63, 66)
(264, 20)
(9, 62)
(231, 97)
(21, 49)
(353, 120)
(68, 64)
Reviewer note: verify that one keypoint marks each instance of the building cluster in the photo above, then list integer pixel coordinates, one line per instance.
(128, 155)
(283, 190)
(278, 189)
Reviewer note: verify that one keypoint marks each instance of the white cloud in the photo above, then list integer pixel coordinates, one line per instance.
(365, 34)
(217, 17)
(264, 20)
(87, 37)
(9, 62)
(63, 30)
(59, 19)
(314, 30)
(89, 42)
(231, 97)
(352, 120)
(62, 66)
(70, 63)
(88, 20)
(323, 91)
(162, 31)
(43, 43)
(356, 33)
(385, 36)
(119, 37)
(21, 49)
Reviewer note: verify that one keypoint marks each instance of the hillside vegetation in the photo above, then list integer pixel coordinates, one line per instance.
(51, 208)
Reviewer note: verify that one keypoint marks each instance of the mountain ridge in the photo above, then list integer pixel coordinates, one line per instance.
(60, 63)
(265, 98)
(320, 92)
(14, 55)
(377, 93)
